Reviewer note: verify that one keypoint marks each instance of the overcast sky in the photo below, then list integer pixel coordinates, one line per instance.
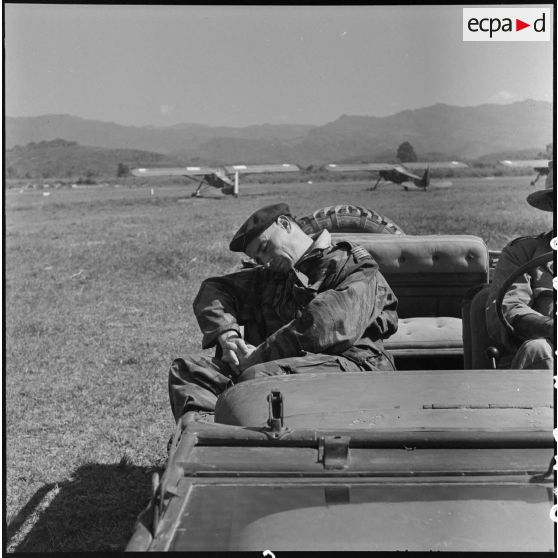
(242, 65)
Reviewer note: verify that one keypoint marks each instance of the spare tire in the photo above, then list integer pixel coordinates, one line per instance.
(347, 219)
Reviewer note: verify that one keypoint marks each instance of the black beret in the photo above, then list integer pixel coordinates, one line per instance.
(256, 224)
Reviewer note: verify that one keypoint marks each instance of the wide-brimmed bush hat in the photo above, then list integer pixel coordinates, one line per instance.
(544, 199)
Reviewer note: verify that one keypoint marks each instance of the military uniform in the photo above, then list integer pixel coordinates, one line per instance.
(532, 294)
(330, 312)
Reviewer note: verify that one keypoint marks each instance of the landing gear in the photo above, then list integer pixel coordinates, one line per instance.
(197, 193)
(376, 184)
(533, 182)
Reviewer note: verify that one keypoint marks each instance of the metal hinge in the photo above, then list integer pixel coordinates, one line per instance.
(333, 451)
(275, 417)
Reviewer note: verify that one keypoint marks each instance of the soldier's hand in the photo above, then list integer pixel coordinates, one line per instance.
(228, 350)
(247, 358)
(533, 326)
(235, 350)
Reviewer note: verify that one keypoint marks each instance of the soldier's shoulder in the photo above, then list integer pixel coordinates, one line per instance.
(350, 248)
(528, 239)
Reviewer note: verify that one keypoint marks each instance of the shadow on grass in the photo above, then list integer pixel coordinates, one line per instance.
(93, 511)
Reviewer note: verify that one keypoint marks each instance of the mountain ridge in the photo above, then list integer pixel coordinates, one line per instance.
(459, 132)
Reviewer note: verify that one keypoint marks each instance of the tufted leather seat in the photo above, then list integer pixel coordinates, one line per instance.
(440, 334)
(430, 275)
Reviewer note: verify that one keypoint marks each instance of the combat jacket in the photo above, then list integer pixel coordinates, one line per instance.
(531, 293)
(334, 300)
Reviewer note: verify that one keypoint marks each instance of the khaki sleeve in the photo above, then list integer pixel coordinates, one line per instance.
(518, 298)
(336, 318)
(221, 301)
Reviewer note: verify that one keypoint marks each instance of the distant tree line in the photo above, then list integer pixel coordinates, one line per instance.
(87, 164)
(122, 170)
(406, 153)
(58, 142)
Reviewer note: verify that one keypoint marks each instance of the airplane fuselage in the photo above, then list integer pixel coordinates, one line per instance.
(393, 176)
(218, 181)
(398, 178)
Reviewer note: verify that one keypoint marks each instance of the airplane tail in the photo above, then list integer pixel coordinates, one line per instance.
(424, 182)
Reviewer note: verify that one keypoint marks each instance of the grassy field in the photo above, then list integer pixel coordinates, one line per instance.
(99, 285)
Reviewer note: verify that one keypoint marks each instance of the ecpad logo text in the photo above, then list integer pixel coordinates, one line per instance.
(507, 24)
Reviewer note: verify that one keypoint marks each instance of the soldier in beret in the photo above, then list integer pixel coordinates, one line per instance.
(307, 306)
(529, 302)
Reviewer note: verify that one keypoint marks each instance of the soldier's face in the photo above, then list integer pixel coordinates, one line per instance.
(274, 247)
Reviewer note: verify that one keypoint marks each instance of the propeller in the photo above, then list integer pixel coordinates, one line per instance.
(424, 182)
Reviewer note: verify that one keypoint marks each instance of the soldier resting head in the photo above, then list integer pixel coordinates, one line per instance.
(309, 305)
(272, 238)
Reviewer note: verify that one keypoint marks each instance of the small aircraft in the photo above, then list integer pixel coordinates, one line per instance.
(540, 166)
(399, 173)
(224, 178)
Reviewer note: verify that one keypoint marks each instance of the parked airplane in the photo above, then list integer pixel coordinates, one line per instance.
(400, 173)
(540, 166)
(224, 178)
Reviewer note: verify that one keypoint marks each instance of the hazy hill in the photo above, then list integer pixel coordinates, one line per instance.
(241, 150)
(63, 159)
(444, 130)
(178, 138)
(463, 132)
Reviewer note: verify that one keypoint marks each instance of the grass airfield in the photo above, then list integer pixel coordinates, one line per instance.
(99, 285)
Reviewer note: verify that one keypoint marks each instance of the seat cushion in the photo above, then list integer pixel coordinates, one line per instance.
(426, 336)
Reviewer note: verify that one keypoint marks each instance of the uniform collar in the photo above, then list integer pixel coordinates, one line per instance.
(322, 241)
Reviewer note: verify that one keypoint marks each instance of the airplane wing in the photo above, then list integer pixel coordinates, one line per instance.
(436, 165)
(257, 169)
(540, 165)
(350, 167)
(371, 167)
(175, 171)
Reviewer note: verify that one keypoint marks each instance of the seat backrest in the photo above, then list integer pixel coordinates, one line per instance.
(429, 274)
(475, 334)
